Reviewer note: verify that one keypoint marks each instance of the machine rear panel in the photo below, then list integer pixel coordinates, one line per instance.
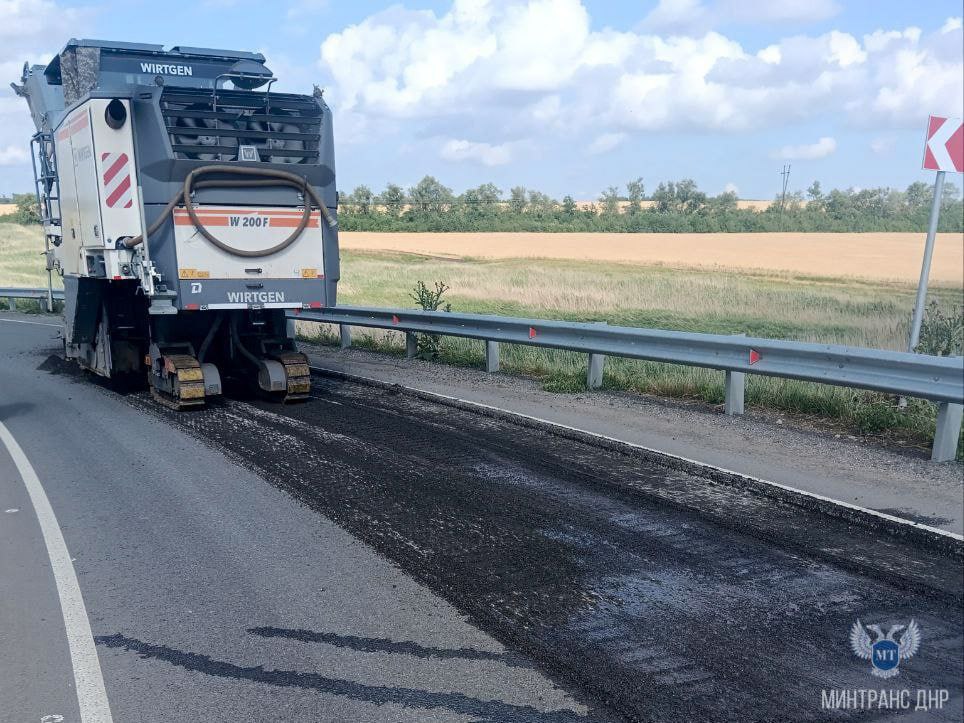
(187, 207)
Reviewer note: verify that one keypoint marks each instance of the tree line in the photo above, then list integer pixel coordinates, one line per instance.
(674, 206)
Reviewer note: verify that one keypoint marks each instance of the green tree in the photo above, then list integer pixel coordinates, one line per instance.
(541, 203)
(430, 196)
(919, 195)
(815, 198)
(569, 206)
(726, 201)
(27, 209)
(950, 195)
(393, 199)
(839, 204)
(518, 199)
(814, 193)
(362, 199)
(664, 197)
(610, 201)
(689, 198)
(635, 192)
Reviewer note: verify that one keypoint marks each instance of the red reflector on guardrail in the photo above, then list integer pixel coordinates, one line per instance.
(532, 333)
(754, 356)
(394, 319)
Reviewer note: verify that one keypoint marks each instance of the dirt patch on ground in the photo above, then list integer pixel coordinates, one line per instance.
(888, 256)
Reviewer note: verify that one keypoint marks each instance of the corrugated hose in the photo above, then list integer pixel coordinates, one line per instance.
(266, 177)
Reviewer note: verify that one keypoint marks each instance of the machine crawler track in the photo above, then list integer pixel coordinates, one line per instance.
(297, 376)
(186, 380)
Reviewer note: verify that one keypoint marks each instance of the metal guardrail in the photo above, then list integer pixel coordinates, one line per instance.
(939, 379)
(12, 292)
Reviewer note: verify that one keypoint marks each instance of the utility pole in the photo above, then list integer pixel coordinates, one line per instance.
(783, 195)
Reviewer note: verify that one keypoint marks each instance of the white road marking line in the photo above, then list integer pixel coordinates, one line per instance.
(34, 323)
(12, 510)
(88, 678)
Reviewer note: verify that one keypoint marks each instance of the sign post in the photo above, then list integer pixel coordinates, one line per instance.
(943, 151)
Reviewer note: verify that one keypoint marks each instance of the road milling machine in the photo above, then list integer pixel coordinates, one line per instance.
(189, 208)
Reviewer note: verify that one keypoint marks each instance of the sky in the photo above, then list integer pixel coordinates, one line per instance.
(564, 96)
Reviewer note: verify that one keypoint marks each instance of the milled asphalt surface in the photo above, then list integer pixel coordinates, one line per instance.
(213, 595)
(645, 592)
(897, 481)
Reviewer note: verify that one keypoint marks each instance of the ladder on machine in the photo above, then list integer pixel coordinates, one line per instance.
(43, 156)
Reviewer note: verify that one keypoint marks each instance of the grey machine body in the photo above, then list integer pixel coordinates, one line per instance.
(156, 273)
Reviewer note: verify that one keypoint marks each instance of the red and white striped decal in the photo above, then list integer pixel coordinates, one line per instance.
(117, 180)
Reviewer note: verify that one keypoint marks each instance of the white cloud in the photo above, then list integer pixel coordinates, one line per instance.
(731, 188)
(771, 55)
(26, 25)
(31, 31)
(952, 24)
(807, 152)
(12, 155)
(606, 142)
(484, 153)
(511, 71)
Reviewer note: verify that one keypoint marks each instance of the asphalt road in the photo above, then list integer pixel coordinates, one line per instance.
(212, 595)
(228, 562)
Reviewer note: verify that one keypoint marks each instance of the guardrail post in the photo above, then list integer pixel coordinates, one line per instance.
(948, 431)
(594, 376)
(11, 304)
(344, 332)
(735, 392)
(411, 345)
(491, 356)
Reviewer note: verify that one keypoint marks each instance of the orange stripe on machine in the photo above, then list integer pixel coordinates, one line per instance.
(246, 219)
(72, 125)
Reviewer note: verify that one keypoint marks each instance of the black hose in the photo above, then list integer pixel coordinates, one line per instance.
(236, 338)
(266, 177)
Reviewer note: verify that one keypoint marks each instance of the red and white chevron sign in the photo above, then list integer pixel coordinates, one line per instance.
(944, 149)
(117, 180)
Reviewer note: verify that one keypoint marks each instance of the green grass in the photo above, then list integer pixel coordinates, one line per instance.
(783, 306)
(21, 256)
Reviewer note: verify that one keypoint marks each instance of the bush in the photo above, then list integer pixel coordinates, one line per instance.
(428, 299)
(941, 334)
(28, 211)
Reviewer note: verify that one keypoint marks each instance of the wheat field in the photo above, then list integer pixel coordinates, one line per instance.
(882, 256)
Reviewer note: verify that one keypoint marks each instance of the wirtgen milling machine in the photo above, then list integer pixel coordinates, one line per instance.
(187, 207)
